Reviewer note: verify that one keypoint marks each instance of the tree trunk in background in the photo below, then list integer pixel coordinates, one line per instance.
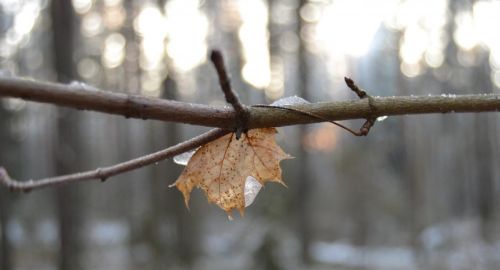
(458, 193)
(170, 230)
(132, 142)
(5, 196)
(186, 232)
(132, 51)
(304, 176)
(5, 247)
(67, 154)
(412, 171)
(485, 131)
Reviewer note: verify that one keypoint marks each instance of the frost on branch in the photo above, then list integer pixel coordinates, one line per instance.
(291, 100)
(221, 168)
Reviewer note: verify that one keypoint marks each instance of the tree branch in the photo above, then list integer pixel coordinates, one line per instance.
(84, 97)
(106, 172)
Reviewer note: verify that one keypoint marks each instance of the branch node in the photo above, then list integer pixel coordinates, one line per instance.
(13, 185)
(26, 189)
(365, 129)
(100, 175)
(371, 103)
(238, 132)
(231, 97)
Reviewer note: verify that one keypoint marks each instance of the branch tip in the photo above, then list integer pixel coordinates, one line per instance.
(216, 56)
(352, 85)
(348, 81)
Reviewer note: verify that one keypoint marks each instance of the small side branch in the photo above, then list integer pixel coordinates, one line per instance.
(107, 172)
(350, 83)
(370, 121)
(231, 97)
(225, 83)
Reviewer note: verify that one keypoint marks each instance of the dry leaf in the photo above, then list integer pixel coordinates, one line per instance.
(222, 166)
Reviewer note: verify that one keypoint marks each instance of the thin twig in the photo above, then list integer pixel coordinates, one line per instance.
(107, 172)
(78, 96)
(370, 121)
(350, 83)
(225, 84)
(231, 96)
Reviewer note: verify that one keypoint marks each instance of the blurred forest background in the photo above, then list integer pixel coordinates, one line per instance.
(420, 192)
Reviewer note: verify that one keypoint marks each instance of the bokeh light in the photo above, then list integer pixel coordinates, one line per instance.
(150, 22)
(114, 50)
(276, 87)
(114, 16)
(465, 34)
(486, 20)
(82, 6)
(348, 26)
(322, 139)
(26, 18)
(495, 77)
(91, 24)
(111, 3)
(424, 34)
(187, 33)
(25, 15)
(88, 68)
(151, 25)
(254, 39)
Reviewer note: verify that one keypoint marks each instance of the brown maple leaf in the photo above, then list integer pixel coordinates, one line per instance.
(222, 166)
